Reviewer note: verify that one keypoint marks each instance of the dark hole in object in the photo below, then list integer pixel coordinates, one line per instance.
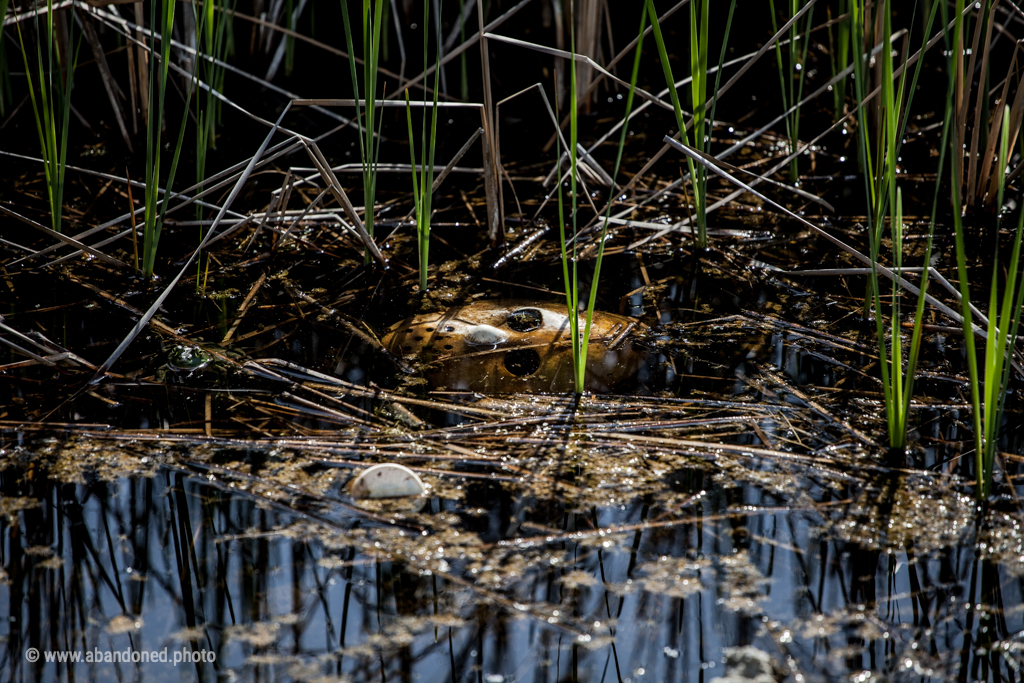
(430, 329)
(418, 338)
(448, 346)
(525, 320)
(407, 347)
(522, 362)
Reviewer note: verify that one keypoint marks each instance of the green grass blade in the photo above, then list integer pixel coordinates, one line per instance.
(915, 343)
(618, 161)
(65, 111)
(423, 186)
(721, 61)
(897, 437)
(666, 66)
(561, 230)
(192, 84)
(346, 25)
(415, 183)
(579, 354)
(51, 105)
(1012, 324)
(968, 325)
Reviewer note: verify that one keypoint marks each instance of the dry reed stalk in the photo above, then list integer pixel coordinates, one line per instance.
(972, 167)
(109, 84)
(588, 42)
(492, 162)
(141, 62)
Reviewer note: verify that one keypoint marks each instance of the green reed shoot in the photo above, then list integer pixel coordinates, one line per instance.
(571, 282)
(718, 78)
(423, 180)
(51, 105)
(840, 55)
(698, 73)
(699, 96)
(163, 18)
(581, 343)
(884, 195)
(369, 149)
(580, 364)
(289, 41)
(162, 22)
(791, 74)
(988, 387)
(211, 39)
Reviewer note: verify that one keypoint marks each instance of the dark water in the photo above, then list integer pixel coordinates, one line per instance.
(573, 556)
(738, 497)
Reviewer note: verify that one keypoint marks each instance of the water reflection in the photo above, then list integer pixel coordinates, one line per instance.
(837, 574)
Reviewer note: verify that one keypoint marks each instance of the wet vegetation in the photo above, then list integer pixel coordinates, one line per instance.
(682, 364)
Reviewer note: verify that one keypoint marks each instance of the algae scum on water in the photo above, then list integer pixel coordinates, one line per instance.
(335, 434)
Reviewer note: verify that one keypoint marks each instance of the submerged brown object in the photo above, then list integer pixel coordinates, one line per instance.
(507, 347)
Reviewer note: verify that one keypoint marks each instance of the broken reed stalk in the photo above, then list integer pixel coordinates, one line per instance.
(51, 105)
(369, 148)
(423, 180)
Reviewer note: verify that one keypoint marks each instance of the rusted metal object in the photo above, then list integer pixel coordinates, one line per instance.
(514, 346)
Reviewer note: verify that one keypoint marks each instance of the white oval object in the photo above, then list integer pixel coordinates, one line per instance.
(387, 481)
(485, 335)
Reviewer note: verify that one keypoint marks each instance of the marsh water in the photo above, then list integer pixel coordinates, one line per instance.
(643, 566)
(736, 497)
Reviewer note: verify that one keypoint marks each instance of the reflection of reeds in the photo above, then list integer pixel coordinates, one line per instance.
(267, 558)
(51, 102)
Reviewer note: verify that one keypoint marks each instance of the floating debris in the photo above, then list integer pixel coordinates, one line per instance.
(748, 665)
(386, 481)
(514, 346)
